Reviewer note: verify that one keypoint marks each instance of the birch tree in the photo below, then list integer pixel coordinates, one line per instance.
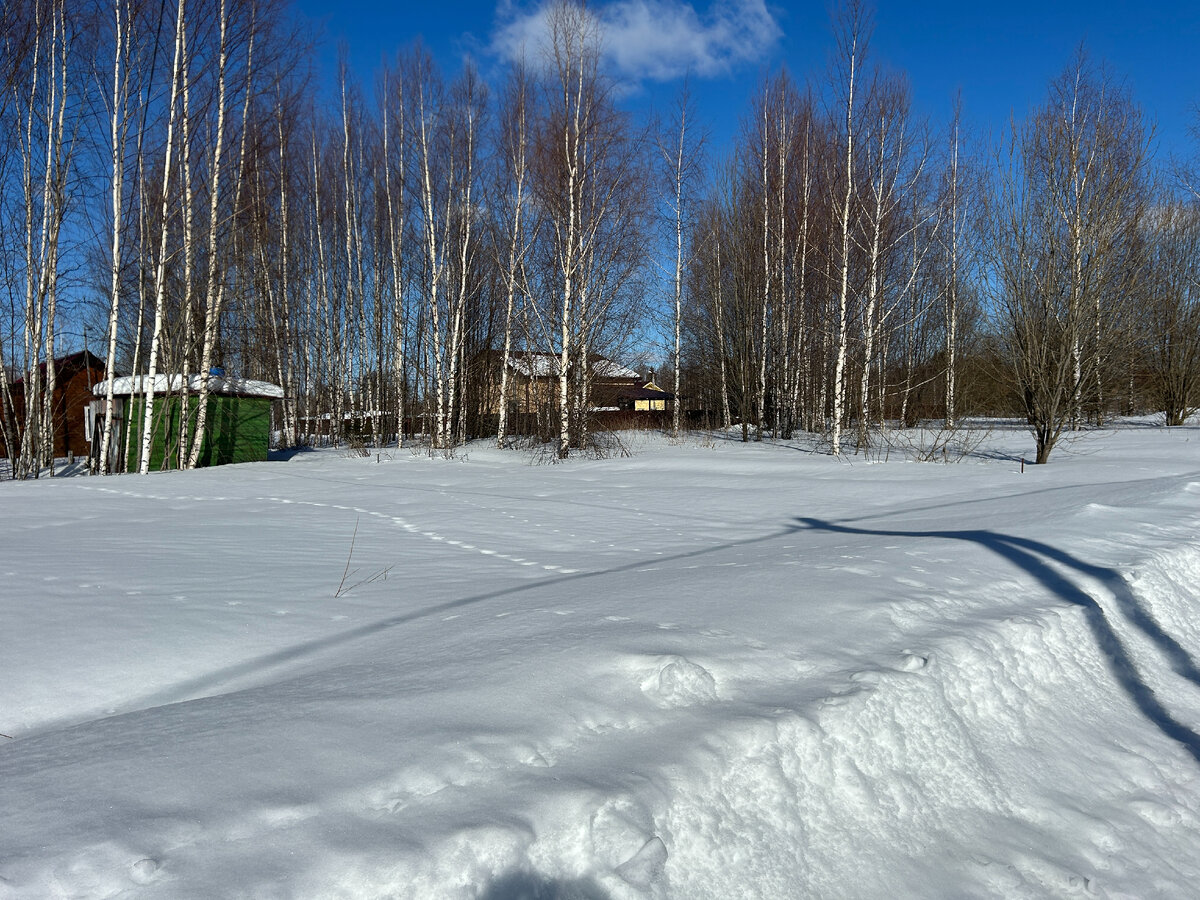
(1172, 309)
(1088, 149)
(164, 224)
(1066, 208)
(39, 153)
(394, 192)
(119, 123)
(954, 201)
(572, 85)
(214, 285)
(852, 32)
(519, 233)
(681, 148)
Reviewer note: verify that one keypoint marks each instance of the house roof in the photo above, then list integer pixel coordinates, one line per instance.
(62, 364)
(539, 364)
(644, 393)
(613, 394)
(162, 384)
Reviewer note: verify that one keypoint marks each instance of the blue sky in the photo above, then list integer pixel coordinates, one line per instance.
(1001, 53)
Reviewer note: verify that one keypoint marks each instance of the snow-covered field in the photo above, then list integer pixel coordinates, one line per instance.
(708, 670)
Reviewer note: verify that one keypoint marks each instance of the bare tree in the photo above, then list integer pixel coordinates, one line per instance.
(393, 97)
(852, 33)
(120, 118)
(164, 224)
(574, 74)
(1090, 147)
(592, 184)
(954, 248)
(519, 234)
(1066, 208)
(38, 140)
(681, 149)
(1172, 309)
(894, 166)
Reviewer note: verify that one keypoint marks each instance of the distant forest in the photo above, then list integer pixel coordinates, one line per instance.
(172, 180)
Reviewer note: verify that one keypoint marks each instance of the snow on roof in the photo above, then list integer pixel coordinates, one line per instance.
(606, 368)
(162, 384)
(541, 365)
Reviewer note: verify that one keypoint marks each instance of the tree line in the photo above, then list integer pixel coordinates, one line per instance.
(174, 186)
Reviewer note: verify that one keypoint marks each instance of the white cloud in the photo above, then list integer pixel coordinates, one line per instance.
(659, 40)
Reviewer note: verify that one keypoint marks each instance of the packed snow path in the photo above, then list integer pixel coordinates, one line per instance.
(700, 672)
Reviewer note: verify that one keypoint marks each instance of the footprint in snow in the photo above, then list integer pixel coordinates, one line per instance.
(677, 682)
(1155, 813)
(144, 870)
(646, 866)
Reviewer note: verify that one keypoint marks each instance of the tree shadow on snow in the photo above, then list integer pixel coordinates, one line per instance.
(283, 454)
(1031, 557)
(530, 886)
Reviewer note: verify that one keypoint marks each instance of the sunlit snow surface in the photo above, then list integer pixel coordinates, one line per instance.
(706, 670)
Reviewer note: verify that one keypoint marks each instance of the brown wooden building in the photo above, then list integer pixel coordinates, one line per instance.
(533, 381)
(74, 377)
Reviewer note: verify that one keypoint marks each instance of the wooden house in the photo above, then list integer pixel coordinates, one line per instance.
(639, 396)
(533, 381)
(649, 397)
(74, 377)
(238, 427)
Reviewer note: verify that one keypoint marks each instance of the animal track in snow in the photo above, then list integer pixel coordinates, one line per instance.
(398, 521)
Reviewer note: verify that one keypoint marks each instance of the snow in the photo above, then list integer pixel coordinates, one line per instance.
(544, 365)
(217, 384)
(707, 670)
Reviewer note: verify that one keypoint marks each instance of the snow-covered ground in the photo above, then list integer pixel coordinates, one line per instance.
(707, 670)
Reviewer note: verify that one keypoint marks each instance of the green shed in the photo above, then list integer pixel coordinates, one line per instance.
(238, 427)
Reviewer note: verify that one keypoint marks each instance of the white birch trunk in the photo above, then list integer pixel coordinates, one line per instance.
(433, 263)
(572, 153)
(396, 243)
(726, 416)
(839, 368)
(516, 248)
(767, 281)
(215, 287)
(951, 322)
(160, 277)
(118, 123)
(189, 217)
